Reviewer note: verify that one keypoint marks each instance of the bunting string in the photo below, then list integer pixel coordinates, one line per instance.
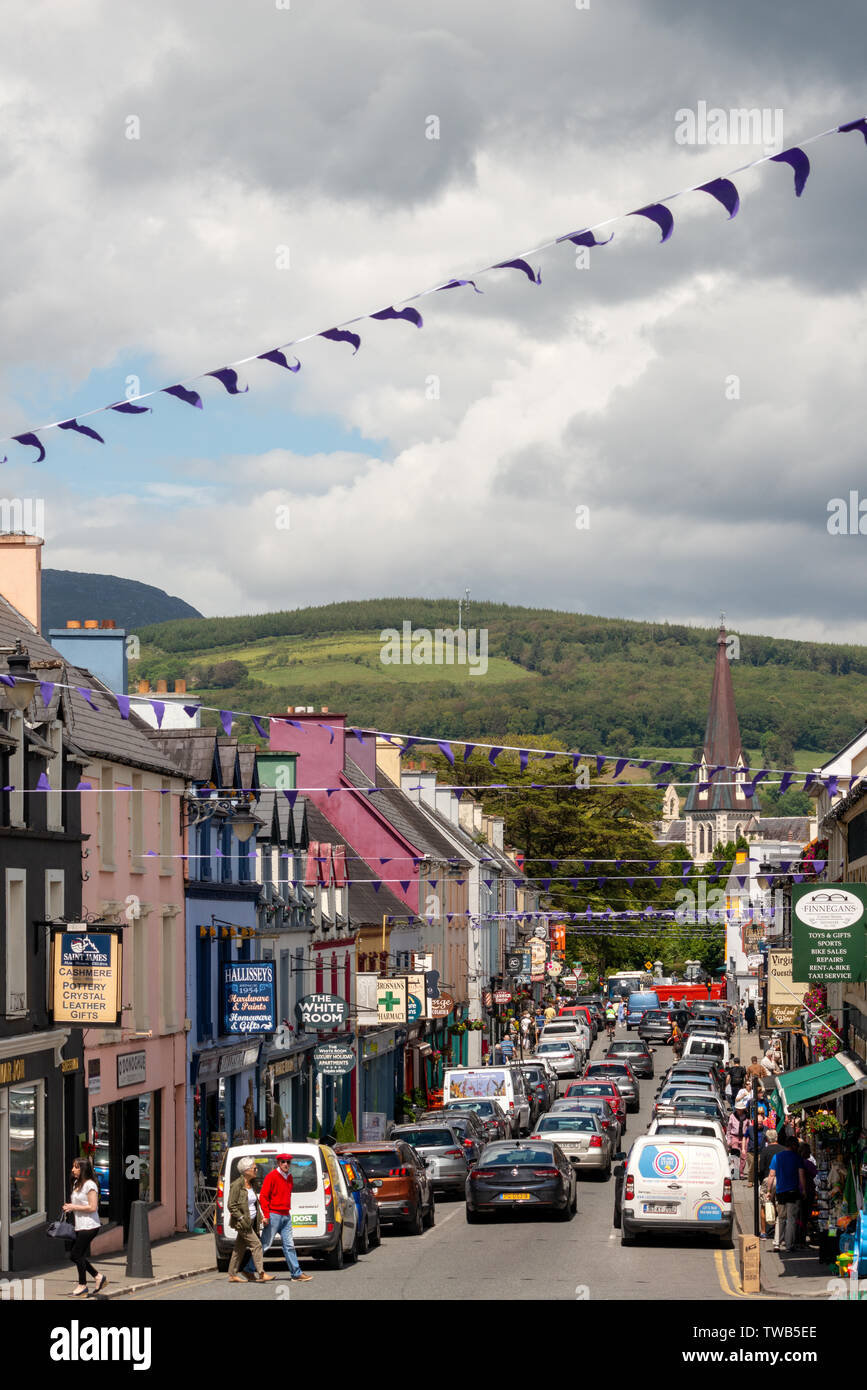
(721, 189)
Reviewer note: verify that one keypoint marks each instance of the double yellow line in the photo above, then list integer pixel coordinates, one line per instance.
(728, 1274)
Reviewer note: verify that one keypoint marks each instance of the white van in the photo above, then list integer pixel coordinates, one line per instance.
(676, 1183)
(715, 1049)
(504, 1084)
(324, 1214)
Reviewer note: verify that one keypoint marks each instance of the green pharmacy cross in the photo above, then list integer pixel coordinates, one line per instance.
(389, 1001)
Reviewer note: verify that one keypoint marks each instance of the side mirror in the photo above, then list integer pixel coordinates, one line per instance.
(375, 1183)
(620, 1170)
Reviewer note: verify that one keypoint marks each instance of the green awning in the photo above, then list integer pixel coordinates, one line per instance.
(834, 1076)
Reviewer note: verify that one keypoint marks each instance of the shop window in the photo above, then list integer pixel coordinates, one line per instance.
(26, 1176)
(16, 942)
(203, 987)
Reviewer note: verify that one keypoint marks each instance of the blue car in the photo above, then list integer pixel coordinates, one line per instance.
(369, 1223)
(637, 1006)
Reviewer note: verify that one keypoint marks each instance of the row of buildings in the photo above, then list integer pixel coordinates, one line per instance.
(197, 855)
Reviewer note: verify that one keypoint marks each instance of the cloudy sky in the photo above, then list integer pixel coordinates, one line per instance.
(187, 185)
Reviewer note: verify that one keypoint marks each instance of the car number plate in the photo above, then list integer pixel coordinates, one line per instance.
(514, 1196)
(665, 1208)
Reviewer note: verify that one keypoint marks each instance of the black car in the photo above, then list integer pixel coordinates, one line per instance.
(637, 1054)
(468, 1128)
(522, 1175)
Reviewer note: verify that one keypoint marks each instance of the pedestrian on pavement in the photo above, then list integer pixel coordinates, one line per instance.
(735, 1078)
(84, 1203)
(787, 1178)
(767, 1206)
(749, 1142)
(750, 1016)
(754, 1070)
(245, 1219)
(550, 1014)
(769, 1070)
(621, 1012)
(735, 1137)
(275, 1200)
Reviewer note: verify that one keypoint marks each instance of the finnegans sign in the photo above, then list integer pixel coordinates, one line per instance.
(829, 932)
(85, 977)
(320, 1011)
(248, 997)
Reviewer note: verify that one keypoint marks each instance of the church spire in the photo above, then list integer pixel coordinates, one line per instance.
(722, 741)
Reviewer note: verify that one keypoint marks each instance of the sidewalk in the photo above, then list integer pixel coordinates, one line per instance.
(177, 1258)
(797, 1275)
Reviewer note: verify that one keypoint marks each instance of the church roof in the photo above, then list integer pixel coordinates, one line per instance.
(794, 828)
(722, 744)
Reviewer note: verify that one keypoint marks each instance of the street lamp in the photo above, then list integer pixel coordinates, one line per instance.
(765, 875)
(238, 815)
(22, 688)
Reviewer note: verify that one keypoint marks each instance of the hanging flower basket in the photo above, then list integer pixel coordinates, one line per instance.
(825, 1124)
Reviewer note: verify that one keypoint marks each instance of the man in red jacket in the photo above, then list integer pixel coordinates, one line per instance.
(275, 1200)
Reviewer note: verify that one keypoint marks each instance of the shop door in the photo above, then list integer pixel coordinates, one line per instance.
(128, 1116)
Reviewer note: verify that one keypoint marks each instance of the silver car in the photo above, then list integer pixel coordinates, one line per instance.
(562, 1056)
(580, 1136)
(442, 1150)
(623, 1077)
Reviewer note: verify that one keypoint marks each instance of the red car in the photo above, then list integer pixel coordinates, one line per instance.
(606, 1089)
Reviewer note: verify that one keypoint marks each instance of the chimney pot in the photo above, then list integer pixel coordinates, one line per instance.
(72, 622)
(309, 709)
(162, 687)
(91, 622)
(144, 687)
(324, 709)
(180, 687)
(107, 622)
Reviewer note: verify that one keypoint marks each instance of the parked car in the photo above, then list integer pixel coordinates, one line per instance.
(582, 1139)
(582, 1013)
(541, 1081)
(562, 1054)
(324, 1214)
(706, 1045)
(621, 1074)
(491, 1116)
(637, 1054)
(400, 1179)
(690, 1067)
(608, 1089)
(655, 1026)
(443, 1149)
(529, 1174)
(467, 1126)
(692, 1102)
(369, 1233)
(675, 1185)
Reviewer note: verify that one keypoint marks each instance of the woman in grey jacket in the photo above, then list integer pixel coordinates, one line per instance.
(245, 1218)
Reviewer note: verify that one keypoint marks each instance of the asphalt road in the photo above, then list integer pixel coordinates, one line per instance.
(521, 1256)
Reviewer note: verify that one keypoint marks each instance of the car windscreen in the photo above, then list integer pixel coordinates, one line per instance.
(557, 1123)
(513, 1157)
(655, 1016)
(628, 1047)
(549, 1047)
(598, 1107)
(477, 1107)
(424, 1138)
(303, 1170)
(615, 1069)
(590, 1088)
(698, 1047)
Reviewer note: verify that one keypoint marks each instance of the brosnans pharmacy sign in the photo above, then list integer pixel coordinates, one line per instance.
(829, 932)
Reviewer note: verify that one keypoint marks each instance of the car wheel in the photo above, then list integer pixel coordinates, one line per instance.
(376, 1236)
(334, 1259)
(431, 1213)
(575, 1201)
(606, 1172)
(568, 1211)
(351, 1255)
(473, 1218)
(362, 1242)
(223, 1263)
(416, 1225)
(627, 1235)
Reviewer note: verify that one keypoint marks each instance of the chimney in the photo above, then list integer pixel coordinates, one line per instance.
(107, 622)
(21, 575)
(180, 687)
(91, 622)
(388, 759)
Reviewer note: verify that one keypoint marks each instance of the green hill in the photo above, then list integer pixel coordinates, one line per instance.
(592, 682)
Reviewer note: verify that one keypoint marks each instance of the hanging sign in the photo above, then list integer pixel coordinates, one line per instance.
(391, 1000)
(442, 1007)
(515, 963)
(248, 997)
(829, 935)
(502, 996)
(784, 996)
(415, 998)
(320, 1011)
(333, 1059)
(85, 985)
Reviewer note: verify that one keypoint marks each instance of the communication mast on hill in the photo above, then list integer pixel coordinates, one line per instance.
(463, 603)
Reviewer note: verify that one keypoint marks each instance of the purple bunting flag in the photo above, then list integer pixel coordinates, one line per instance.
(226, 721)
(159, 709)
(43, 784)
(404, 883)
(619, 766)
(86, 695)
(81, 429)
(468, 749)
(228, 377)
(82, 787)
(493, 755)
(377, 884)
(411, 315)
(660, 214)
(190, 710)
(128, 408)
(182, 394)
(456, 284)
(519, 264)
(46, 690)
(258, 726)
(799, 162)
(574, 883)
(860, 124)
(291, 797)
(725, 192)
(600, 762)
(830, 785)
(279, 359)
(546, 884)
(523, 758)
(123, 705)
(341, 335)
(32, 441)
(446, 750)
(631, 882)
(585, 239)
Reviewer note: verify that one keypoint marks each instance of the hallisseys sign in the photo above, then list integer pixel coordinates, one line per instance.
(829, 932)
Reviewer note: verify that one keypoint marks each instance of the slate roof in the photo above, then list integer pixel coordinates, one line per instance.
(674, 832)
(100, 732)
(406, 817)
(722, 743)
(366, 904)
(191, 749)
(795, 828)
